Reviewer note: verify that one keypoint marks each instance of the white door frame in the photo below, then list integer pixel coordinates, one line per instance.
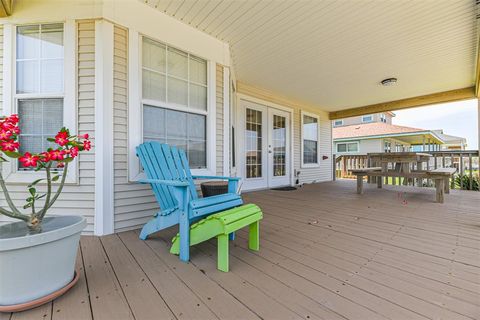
(240, 134)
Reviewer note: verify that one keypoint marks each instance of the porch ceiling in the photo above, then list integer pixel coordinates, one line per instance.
(333, 54)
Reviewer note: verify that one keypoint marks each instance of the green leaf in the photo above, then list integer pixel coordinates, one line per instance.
(12, 154)
(51, 139)
(2, 159)
(29, 199)
(40, 197)
(66, 160)
(28, 205)
(32, 191)
(55, 178)
(35, 182)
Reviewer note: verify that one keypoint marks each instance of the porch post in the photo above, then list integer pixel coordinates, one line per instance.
(103, 220)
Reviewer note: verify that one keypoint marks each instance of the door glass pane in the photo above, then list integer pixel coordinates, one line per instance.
(253, 143)
(279, 140)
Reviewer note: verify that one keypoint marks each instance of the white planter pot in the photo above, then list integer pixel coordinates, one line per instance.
(33, 266)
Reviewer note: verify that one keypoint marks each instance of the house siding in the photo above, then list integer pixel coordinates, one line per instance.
(324, 170)
(76, 199)
(134, 204)
(1, 69)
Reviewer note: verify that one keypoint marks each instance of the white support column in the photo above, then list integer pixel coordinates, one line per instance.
(104, 214)
(226, 121)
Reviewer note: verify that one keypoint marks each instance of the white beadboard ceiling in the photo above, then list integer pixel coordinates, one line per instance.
(333, 54)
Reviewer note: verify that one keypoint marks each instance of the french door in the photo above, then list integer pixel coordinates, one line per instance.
(266, 145)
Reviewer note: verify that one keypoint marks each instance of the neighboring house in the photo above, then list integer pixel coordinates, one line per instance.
(376, 133)
(238, 91)
(451, 142)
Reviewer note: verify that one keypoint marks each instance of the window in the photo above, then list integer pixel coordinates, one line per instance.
(337, 123)
(310, 139)
(383, 118)
(174, 95)
(39, 85)
(347, 147)
(368, 118)
(387, 146)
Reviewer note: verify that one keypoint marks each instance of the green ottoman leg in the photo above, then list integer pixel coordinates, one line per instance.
(254, 236)
(222, 252)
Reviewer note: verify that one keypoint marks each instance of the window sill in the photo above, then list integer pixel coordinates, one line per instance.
(310, 165)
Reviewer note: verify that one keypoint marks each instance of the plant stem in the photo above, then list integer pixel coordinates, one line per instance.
(15, 212)
(42, 212)
(57, 194)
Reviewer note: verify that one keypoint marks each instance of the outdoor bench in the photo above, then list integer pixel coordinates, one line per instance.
(441, 177)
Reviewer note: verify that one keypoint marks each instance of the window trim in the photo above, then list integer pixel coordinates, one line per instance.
(347, 143)
(368, 115)
(135, 110)
(10, 170)
(309, 165)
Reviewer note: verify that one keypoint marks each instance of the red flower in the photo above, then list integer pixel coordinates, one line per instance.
(9, 145)
(45, 157)
(56, 155)
(29, 160)
(60, 165)
(87, 145)
(73, 152)
(13, 118)
(7, 125)
(61, 138)
(16, 130)
(5, 135)
(83, 136)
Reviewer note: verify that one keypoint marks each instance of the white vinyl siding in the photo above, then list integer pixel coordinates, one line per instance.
(134, 203)
(77, 198)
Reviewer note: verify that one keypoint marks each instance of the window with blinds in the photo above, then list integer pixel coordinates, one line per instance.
(174, 95)
(39, 89)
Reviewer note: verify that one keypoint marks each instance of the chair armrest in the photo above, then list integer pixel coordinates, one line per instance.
(216, 178)
(171, 183)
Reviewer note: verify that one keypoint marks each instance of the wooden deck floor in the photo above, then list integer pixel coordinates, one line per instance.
(326, 253)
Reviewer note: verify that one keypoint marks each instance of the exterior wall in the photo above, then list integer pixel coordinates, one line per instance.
(365, 146)
(76, 198)
(320, 173)
(358, 120)
(134, 204)
(324, 171)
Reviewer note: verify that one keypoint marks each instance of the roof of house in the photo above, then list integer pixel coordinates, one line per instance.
(371, 129)
(449, 138)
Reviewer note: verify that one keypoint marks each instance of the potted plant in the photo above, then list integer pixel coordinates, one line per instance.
(37, 254)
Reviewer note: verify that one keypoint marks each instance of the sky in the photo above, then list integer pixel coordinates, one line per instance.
(455, 118)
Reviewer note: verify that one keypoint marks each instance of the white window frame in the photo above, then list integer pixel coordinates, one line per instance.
(310, 165)
(337, 125)
(347, 143)
(368, 115)
(136, 102)
(10, 169)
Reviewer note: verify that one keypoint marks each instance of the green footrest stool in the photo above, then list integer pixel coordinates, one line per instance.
(221, 225)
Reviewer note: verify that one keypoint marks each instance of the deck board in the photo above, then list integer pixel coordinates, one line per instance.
(325, 253)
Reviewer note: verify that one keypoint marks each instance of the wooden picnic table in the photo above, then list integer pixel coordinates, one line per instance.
(403, 163)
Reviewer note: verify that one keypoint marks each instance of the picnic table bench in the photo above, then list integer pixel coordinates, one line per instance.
(441, 177)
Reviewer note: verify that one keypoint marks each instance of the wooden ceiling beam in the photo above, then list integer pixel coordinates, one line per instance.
(6, 8)
(434, 98)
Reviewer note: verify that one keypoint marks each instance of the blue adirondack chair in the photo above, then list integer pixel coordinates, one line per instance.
(168, 173)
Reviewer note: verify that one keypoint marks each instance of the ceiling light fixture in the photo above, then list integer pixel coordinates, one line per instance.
(388, 81)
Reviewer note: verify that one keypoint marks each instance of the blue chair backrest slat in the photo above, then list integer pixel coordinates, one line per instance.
(149, 162)
(161, 161)
(184, 171)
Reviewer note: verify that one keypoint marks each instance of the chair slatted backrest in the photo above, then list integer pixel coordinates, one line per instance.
(163, 162)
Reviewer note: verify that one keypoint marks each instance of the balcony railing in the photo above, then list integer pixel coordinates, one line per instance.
(465, 161)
